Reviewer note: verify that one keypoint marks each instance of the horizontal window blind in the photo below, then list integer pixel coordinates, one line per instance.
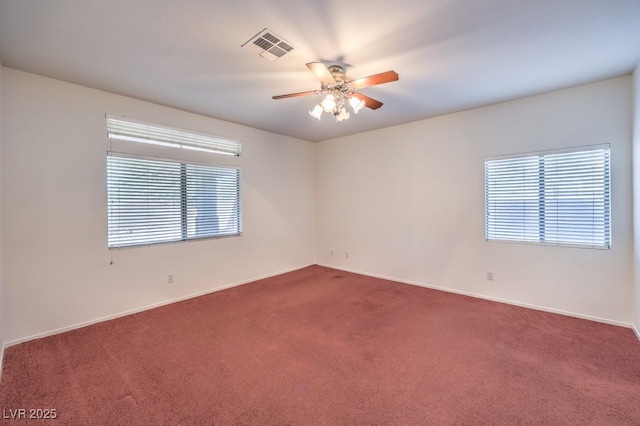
(157, 201)
(556, 198)
(137, 131)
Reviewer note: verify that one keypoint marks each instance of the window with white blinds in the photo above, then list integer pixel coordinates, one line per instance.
(138, 131)
(558, 198)
(158, 201)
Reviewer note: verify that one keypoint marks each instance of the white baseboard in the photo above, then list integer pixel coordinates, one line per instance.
(635, 330)
(143, 308)
(493, 299)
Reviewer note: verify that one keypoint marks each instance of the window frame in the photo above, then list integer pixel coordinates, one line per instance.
(183, 210)
(195, 162)
(560, 225)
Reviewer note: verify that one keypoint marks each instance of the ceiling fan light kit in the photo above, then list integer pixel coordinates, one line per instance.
(341, 90)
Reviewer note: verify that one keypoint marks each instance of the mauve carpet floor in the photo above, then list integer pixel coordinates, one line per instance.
(324, 347)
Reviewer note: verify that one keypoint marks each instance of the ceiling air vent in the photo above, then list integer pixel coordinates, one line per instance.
(268, 45)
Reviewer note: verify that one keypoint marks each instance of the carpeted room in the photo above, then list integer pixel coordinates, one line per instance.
(322, 346)
(413, 214)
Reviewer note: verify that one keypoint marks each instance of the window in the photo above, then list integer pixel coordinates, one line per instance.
(558, 198)
(152, 200)
(138, 131)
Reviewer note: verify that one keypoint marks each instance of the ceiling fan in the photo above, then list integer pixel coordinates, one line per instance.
(340, 90)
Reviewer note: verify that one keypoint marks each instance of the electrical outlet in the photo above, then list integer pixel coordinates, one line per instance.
(331, 252)
(346, 254)
(490, 276)
(170, 279)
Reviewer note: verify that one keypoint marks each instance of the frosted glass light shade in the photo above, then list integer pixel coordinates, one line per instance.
(344, 115)
(356, 104)
(316, 112)
(329, 103)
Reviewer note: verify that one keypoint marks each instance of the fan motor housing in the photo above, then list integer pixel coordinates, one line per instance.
(337, 72)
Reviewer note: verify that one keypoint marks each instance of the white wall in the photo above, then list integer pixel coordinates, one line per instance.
(407, 203)
(636, 198)
(57, 271)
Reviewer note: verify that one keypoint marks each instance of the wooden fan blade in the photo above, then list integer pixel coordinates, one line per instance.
(373, 80)
(368, 102)
(321, 71)
(293, 95)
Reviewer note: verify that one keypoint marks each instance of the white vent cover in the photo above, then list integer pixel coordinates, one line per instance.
(268, 45)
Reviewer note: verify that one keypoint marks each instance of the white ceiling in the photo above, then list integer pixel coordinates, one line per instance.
(451, 55)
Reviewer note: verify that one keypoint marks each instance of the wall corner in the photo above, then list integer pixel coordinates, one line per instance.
(635, 144)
